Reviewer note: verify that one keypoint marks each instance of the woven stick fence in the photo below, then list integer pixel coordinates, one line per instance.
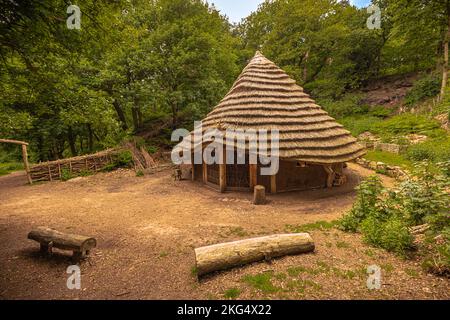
(54, 170)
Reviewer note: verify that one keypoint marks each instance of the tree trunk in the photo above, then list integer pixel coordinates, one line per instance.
(224, 256)
(134, 113)
(174, 116)
(90, 137)
(445, 66)
(140, 118)
(120, 114)
(72, 139)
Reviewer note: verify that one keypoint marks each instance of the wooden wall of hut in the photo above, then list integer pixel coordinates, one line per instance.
(298, 176)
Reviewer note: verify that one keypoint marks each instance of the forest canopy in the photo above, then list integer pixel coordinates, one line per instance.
(141, 66)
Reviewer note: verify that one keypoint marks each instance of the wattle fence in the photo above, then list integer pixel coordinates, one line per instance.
(57, 170)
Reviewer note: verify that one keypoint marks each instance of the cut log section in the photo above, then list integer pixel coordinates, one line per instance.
(49, 238)
(259, 195)
(227, 255)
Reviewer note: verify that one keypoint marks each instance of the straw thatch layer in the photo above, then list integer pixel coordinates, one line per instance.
(265, 97)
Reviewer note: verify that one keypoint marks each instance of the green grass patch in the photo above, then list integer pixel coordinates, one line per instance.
(412, 273)
(163, 254)
(319, 225)
(360, 123)
(342, 245)
(238, 231)
(434, 150)
(139, 173)
(296, 271)
(262, 282)
(8, 167)
(345, 274)
(387, 267)
(232, 293)
(388, 158)
(406, 123)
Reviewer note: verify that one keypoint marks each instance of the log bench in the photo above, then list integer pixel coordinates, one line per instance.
(49, 238)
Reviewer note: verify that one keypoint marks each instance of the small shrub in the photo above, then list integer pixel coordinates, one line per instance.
(395, 236)
(66, 174)
(427, 87)
(139, 173)
(384, 216)
(435, 150)
(122, 160)
(152, 149)
(392, 235)
(368, 192)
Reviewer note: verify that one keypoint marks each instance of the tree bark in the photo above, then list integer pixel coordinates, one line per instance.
(445, 65)
(120, 114)
(72, 138)
(90, 138)
(227, 255)
(134, 113)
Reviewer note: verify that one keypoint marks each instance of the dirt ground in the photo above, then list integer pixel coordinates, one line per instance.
(147, 228)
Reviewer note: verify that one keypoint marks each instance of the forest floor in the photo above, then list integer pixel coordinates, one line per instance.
(147, 229)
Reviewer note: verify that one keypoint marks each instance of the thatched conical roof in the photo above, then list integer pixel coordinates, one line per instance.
(265, 97)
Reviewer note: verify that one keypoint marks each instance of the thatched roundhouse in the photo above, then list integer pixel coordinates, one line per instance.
(313, 147)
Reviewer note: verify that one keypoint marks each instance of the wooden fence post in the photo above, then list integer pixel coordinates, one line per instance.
(25, 163)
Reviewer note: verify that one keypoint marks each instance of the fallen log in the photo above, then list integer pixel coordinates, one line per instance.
(227, 255)
(49, 238)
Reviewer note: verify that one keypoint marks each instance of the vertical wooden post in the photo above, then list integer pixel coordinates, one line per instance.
(223, 177)
(331, 176)
(205, 172)
(273, 184)
(253, 175)
(25, 163)
(49, 172)
(193, 170)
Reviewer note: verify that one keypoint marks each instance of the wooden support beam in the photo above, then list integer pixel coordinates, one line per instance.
(273, 184)
(223, 177)
(25, 163)
(331, 175)
(253, 175)
(205, 172)
(193, 170)
(13, 141)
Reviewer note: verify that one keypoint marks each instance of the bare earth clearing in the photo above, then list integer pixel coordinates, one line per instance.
(147, 227)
